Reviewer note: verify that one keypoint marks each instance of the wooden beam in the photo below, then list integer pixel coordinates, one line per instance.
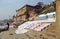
(58, 18)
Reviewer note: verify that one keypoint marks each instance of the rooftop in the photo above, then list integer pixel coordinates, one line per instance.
(25, 6)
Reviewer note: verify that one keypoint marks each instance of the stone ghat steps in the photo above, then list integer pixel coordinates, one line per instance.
(51, 28)
(48, 33)
(41, 35)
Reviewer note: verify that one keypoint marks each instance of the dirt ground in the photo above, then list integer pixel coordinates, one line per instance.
(11, 35)
(48, 33)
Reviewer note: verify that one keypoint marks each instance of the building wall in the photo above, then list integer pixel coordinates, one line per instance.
(21, 11)
(24, 17)
(21, 14)
(29, 9)
(24, 13)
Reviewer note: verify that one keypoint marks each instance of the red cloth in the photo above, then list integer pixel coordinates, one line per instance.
(33, 19)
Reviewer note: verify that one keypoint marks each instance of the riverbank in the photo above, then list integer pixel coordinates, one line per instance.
(48, 33)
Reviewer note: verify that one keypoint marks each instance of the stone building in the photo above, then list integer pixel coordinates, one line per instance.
(28, 12)
(23, 13)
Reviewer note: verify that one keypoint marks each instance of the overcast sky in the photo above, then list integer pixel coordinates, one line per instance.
(8, 7)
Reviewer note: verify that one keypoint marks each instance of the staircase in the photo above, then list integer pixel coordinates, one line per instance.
(48, 33)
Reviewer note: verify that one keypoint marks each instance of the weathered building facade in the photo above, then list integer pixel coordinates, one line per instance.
(23, 13)
(28, 12)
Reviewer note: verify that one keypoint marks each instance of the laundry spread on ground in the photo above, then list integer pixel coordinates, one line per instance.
(37, 25)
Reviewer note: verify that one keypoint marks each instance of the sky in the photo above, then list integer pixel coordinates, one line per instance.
(8, 7)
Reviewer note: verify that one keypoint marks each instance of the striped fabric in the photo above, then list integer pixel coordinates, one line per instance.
(34, 25)
(39, 28)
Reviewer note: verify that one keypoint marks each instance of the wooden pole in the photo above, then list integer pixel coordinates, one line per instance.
(58, 18)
